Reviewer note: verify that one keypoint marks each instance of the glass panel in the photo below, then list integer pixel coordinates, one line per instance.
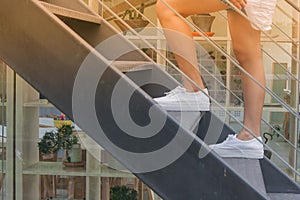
(55, 170)
(2, 127)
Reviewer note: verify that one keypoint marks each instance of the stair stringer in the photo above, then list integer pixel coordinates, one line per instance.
(276, 180)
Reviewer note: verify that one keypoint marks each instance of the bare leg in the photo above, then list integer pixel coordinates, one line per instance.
(179, 35)
(246, 45)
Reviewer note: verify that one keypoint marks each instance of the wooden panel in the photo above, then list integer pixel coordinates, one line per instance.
(65, 12)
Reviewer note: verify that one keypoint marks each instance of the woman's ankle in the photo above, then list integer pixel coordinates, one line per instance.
(245, 135)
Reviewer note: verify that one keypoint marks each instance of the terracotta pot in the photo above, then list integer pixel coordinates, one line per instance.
(136, 24)
(204, 22)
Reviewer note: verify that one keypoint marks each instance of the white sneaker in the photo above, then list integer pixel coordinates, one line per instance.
(179, 99)
(236, 148)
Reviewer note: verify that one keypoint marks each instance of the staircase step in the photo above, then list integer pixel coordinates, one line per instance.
(65, 12)
(129, 66)
(250, 170)
(284, 196)
(188, 120)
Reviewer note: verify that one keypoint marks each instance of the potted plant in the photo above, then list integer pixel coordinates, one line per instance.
(62, 120)
(123, 193)
(67, 141)
(47, 146)
(61, 139)
(133, 19)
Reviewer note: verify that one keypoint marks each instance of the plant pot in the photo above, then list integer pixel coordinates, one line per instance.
(50, 157)
(75, 154)
(136, 24)
(204, 21)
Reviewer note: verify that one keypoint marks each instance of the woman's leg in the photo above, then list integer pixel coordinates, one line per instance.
(246, 46)
(179, 35)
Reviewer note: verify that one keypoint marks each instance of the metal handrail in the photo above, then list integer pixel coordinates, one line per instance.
(237, 64)
(264, 32)
(213, 100)
(271, 57)
(293, 5)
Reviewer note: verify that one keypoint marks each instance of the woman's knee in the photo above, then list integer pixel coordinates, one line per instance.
(162, 11)
(246, 52)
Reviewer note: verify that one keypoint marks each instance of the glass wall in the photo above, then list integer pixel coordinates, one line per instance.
(50, 157)
(3, 132)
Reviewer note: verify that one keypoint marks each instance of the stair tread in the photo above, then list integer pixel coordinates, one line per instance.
(250, 170)
(285, 196)
(65, 12)
(188, 120)
(126, 66)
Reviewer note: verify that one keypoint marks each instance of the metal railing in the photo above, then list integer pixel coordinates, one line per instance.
(292, 111)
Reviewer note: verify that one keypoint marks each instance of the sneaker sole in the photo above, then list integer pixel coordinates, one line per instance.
(251, 154)
(186, 107)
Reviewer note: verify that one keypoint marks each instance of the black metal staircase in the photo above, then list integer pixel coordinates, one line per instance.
(51, 44)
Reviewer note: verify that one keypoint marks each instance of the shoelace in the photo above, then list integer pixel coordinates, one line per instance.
(231, 136)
